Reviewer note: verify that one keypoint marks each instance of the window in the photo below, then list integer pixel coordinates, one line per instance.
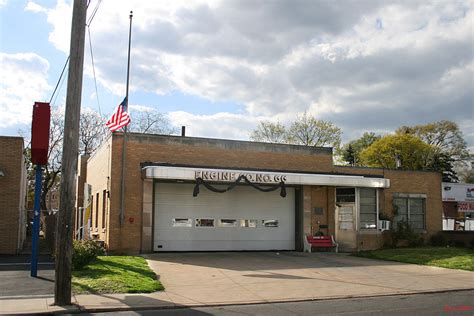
(97, 210)
(368, 208)
(411, 210)
(227, 223)
(204, 222)
(182, 222)
(104, 206)
(92, 211)
(270, 223)
(345, 195)
(252, 223)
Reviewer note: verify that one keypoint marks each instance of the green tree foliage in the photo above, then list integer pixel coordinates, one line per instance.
(444, 136)
(350, 152)
(409, 149)
(269, 132)
(349, 155)
(467, 176)
(443, 163)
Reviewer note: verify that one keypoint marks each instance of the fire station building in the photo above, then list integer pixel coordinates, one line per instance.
(199, 194)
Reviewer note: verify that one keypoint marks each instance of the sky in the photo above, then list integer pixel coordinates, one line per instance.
(221, 67)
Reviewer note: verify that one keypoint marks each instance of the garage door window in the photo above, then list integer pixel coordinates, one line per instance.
(204, 222)
(252, 223)
(270, 223)
(182, 222)
(227, 223)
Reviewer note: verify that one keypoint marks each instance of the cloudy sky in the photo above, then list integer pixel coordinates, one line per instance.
(219, 67)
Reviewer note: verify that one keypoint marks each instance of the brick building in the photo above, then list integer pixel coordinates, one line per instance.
(13, 186)
(171, 203)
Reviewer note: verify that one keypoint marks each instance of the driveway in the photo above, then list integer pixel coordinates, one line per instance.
(252, 277)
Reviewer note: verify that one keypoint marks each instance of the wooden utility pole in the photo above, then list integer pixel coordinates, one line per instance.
(62, 288)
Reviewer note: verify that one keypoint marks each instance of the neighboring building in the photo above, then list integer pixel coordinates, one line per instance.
(458, 206)
(13, 186)
(163, 172)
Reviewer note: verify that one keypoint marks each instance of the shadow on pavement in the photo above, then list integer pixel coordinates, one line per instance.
(16, 280)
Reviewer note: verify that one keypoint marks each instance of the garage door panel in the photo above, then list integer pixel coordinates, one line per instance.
(175, 201)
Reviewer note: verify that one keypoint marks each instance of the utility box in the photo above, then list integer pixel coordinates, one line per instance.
(40, 133)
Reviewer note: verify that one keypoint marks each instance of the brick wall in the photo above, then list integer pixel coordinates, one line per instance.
(405, 181)
(193, 151)
(127, 237)
(12, 193)
(98, 173)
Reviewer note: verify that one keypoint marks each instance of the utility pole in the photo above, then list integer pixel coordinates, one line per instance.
(62, 288)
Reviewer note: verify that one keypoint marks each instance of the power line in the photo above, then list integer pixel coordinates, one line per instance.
(60, 88)
(93, 13)
(93, 70)
(59, 80)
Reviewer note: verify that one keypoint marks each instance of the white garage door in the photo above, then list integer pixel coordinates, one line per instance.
(241, 219)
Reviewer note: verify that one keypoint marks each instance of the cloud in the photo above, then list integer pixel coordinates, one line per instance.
(365, 65)
(141, 108)
(22, 81)
(60, 18)
(236, 125)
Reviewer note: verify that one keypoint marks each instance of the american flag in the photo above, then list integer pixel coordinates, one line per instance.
(120, 118)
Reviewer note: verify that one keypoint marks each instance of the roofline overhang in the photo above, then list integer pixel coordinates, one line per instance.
(191, 173)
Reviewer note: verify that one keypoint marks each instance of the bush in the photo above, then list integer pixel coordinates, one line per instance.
(457, 243)
(404, 232)
(84, 252)
(438, 240)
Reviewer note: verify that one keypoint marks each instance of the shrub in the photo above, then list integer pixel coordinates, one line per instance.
(383, 216)
(457, 243)
(84, 252)
(405, 232)
(438, 240)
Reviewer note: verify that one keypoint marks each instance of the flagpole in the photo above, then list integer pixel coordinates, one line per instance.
(124, 146)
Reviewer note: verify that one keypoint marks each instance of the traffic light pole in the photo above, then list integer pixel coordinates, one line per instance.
(36, 222)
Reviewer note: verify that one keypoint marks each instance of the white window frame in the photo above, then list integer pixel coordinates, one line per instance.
(376, 211)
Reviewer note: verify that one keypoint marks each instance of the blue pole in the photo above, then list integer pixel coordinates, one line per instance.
(36, 222)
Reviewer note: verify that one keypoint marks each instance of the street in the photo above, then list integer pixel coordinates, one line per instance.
(459, 303)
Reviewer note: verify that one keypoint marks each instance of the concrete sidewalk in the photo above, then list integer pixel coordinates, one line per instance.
(204, 279)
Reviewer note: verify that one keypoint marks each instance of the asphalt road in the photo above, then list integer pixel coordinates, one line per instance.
(449, 303)
(15, 277)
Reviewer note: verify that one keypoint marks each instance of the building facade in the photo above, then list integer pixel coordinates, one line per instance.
(181, 194)
(13, 187)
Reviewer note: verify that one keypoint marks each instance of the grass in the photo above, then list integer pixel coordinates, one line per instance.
(115, 274)
(451, 258)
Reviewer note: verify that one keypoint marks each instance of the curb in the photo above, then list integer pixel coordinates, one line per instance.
(76, 308)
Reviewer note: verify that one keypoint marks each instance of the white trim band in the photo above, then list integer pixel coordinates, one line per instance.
(189, 174)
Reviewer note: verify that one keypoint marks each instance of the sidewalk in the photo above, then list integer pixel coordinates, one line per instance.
(212, 279)
(122, 302)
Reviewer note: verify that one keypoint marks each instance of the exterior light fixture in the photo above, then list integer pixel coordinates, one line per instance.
(2, 174)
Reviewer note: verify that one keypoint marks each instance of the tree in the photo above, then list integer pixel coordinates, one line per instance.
(92, 131)
(309, 131)
(150, 121)
(409, 149)
(357, 146)
(443, 163)
(269, 132)
(444, 136)
(467, 176)
(349, 155)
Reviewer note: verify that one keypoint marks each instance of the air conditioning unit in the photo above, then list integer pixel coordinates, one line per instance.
(384, 225)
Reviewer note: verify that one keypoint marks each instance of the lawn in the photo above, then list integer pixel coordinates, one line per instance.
(115, 274)
(452, 258)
